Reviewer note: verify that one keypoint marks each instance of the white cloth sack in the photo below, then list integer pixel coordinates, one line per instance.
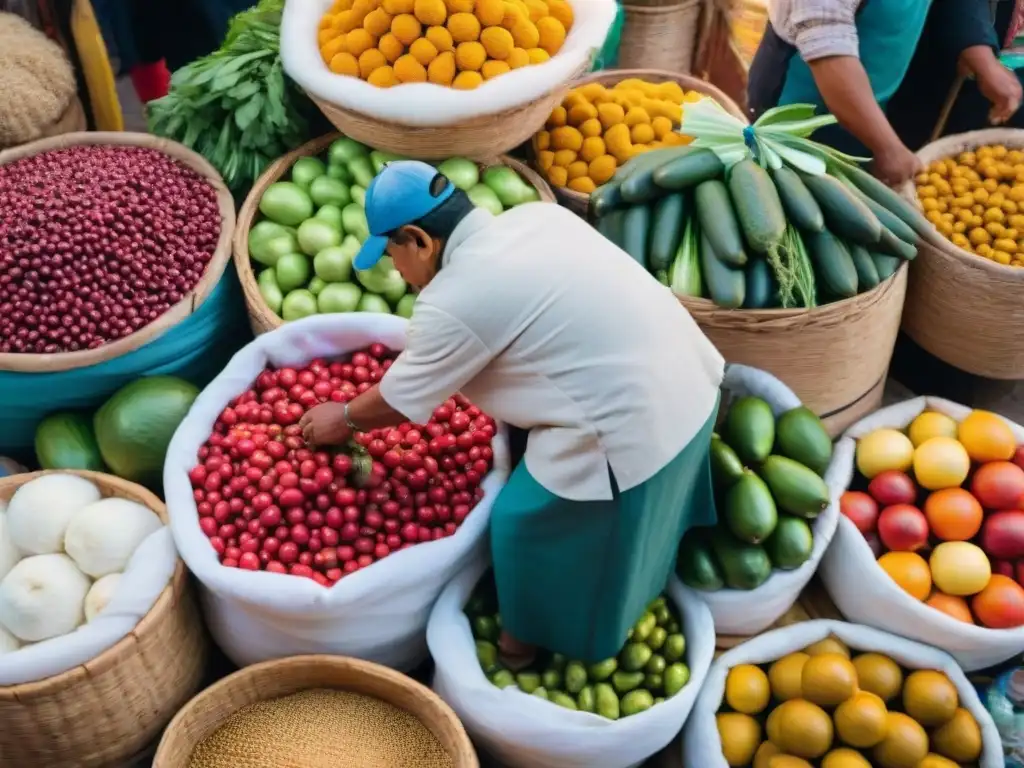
(427, 104)
(524, 731)
(147, 574)
(747, 612)
(864, 593)
(378, 613)
(701, 745)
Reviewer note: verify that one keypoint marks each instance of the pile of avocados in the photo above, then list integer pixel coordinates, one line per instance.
(767, 474)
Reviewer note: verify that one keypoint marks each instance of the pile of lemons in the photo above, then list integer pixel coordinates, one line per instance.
(820, 707)
(596, 129)
(976, 200)
(454, 43)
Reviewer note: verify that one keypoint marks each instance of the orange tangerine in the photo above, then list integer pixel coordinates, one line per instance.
(952, 606)
(987, 437)
(953, 514)
(910, 571)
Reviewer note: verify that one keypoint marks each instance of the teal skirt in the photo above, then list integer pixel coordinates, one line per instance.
(574, 576)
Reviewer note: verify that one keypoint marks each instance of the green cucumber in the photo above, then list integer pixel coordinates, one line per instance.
(889, 220)
(832, 263)
(867, 273)
(799, 204)
(689, 170)
(760, 285)
(667, 223)
(635, 231)
(757, 205)
(638, 186)
(885, 264)
(844, 212)
(685, 274)
(895, 246)
(610, 225)
(718, 222)
(726, 286)
(889, 199)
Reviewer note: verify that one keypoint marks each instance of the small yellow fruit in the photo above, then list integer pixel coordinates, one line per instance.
(861, 720)
(828, 680)
(931, 424)
(959, 739)
(941, 462)
(884, 449)
(785, 676)
(845, 758)
(740, 736)
(764, 754)
(904, 746)
(930, 697)
(747, 689)
(800, 728)
(879, 675)
(829, 645)
(960, 568)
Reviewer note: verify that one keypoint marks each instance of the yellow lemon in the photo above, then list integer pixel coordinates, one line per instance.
(785, 676)
(764, 754)
(861, 720)
(800, 728)
(960, 568)
(828, 680)
(931, 424)
(941, 462)
(845, 758)
(829, 645)
(930, 697)
(905, 743)
(879, 675)
(959, 739)
(747, 689)
(884, 449)
(740, 736)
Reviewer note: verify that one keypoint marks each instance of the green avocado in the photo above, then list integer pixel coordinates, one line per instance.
(791, 544)
(749, 429)
(800, 436)
(750, 510)
(726, 466)
(744, 566)
(795, 488)
(696, 564)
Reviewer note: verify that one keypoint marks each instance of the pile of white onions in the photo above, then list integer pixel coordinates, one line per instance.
(62, 550)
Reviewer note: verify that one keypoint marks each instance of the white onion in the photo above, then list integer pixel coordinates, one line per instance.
(100, 594)
(43, 597)
(39, 512)
(8, 642)
(9, 555)
(103, 536)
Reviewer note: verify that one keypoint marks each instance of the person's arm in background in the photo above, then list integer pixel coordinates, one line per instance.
(965, 31)
(825, 34)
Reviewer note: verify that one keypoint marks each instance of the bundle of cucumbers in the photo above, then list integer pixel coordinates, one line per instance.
(650, 668)
(767, 474)
(745, 234)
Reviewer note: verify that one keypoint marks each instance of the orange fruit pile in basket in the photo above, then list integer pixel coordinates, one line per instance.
(454, 43)
(827, 707)
(596, 129)
(942, 506)
(976, 201)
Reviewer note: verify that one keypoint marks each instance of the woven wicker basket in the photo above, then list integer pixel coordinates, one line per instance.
(261, 318)
(283, 677)
(577, 202)
(69, 360)
(106, 712)
(834, 357)
(482, 137)
(962, 308)
(662, 34)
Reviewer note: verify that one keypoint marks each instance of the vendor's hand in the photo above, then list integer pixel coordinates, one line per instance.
(325, 424)
(1001, 87)
(894, 166)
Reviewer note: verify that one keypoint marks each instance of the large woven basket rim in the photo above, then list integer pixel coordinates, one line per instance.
(108, 484)
(249, 212)
(63, 361)
(769, 321)
(952, 145)
(612, 76)
(220, 691)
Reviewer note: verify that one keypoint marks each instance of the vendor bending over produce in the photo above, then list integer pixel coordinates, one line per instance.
(545, 325)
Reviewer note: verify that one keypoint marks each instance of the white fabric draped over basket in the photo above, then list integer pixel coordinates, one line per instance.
(148, 572)
(864, 593)
(524, 731)
(701, 745)
(427, 104)
(747, 612)
(377, 613)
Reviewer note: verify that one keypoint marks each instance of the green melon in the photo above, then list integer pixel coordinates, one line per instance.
(135, 426)
(67, 441)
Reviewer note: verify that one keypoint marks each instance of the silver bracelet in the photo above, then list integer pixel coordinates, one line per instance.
(348, 420)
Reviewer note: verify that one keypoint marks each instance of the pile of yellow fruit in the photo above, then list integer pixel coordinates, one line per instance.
(597, 129)
(820, 707)
(976, 200)
(456, 43)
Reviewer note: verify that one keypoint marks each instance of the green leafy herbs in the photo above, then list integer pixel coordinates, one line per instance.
(236, 107)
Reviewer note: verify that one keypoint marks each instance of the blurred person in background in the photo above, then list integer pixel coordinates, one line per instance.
(884, 68)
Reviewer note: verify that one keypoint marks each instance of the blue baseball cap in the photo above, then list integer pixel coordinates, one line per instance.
(400, 194)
